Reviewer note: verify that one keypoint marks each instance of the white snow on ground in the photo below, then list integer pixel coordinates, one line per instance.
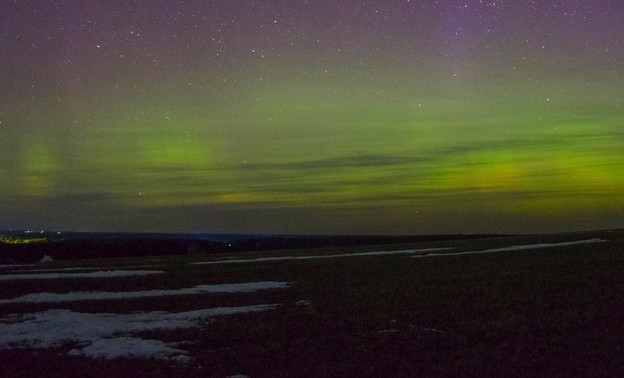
(418, 253)
(13, 265)
(80, 268)
(127, 347)
(283, 258)
(514, 248)
(101, 274)
(105, 335)
(245, 287)
(59, 269)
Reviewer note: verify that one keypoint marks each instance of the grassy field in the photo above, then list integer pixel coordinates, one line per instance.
(537, 312)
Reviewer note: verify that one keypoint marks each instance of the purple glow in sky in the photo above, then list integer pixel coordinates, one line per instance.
(312, 116)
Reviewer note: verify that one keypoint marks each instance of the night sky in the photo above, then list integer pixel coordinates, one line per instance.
(326, 116)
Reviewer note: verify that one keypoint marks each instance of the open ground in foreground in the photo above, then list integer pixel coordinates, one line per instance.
(537, 306)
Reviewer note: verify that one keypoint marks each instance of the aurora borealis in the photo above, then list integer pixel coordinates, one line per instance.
(329, 116)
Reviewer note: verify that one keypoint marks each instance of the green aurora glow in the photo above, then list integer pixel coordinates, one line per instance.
(315, 146)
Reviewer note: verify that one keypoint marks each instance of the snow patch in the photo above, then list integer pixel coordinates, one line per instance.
(58, 269)
(514, 248)
(46, 259)
(107, 335)
(357, 254)
(127, 347)
(81, 268)
(245, 287)
(100, 274)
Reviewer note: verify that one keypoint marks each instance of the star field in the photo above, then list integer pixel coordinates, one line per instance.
(312, 116)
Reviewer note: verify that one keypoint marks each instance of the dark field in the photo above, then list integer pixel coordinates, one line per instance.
(536, 312)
